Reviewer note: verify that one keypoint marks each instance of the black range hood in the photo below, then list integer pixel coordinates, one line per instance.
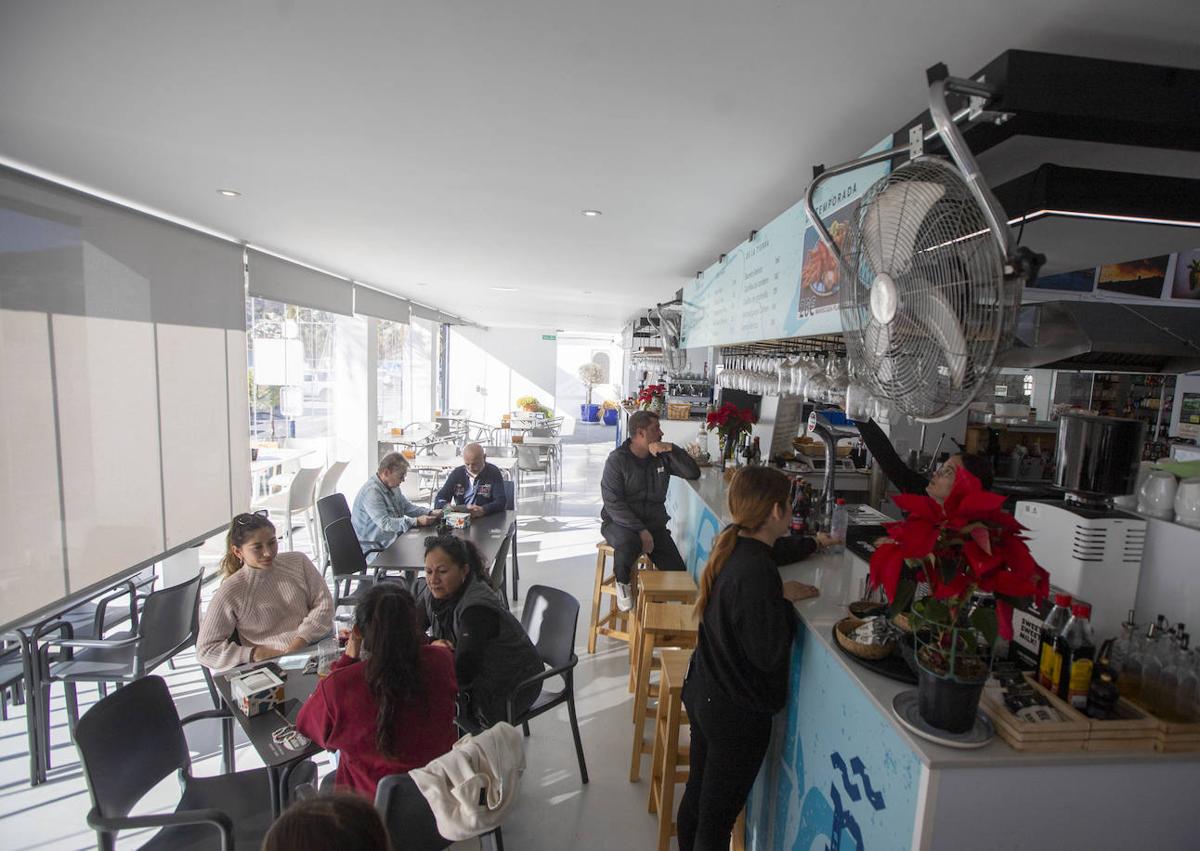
(1105, 337)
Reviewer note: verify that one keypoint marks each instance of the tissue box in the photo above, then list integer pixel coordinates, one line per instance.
(257, 691)
(458, 519)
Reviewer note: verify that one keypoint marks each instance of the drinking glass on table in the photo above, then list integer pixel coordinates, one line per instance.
(327, 653)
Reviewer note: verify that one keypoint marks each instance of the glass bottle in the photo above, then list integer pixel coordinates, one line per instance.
(1051, 627)
(1158, 642)
(1123, 647)
(1187, 696)
(1174, 667)
(1075, 650)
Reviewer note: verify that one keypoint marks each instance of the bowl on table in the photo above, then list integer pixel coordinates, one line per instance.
(846, 626)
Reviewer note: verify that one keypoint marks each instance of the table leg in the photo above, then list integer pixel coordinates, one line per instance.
(33, 713)
(516, 568)
(273, 778)
(228, 753)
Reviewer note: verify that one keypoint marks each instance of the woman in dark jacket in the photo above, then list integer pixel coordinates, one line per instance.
(739, 672)
(492, 653)
(907, 480)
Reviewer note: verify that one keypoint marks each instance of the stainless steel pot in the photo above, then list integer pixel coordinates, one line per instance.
(1098, 456)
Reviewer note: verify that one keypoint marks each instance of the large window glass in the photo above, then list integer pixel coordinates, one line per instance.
(391, 379)
(422, 366)
(291, 370)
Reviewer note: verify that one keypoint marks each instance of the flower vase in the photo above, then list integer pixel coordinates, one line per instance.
(728, 444)
(657, 406)
(953, 664)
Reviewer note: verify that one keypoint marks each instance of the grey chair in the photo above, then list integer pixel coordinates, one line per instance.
(329, 508)
(132, 740)
(169, 624)
(348, 561)
(533, 459)
(499, 571)
(326, 487)
(549, 619)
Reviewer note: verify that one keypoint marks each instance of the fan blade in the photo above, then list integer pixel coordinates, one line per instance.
(893, 220)
(941, 322)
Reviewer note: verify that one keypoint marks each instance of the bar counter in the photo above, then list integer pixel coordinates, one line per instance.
(843, 773)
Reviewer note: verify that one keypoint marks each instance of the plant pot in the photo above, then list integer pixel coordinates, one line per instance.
(589, 413)
(610, 416)
(946, 703)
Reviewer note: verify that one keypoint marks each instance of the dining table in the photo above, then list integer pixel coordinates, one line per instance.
(273, 733)
(271, 461)
(406, 554)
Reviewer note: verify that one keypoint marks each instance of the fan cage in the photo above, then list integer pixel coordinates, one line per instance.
(955, 311)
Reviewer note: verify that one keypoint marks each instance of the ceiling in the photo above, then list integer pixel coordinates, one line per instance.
(440, 149)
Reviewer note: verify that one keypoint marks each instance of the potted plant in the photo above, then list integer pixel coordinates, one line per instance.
(611, 411)
(590, 374)
(962, 548)
(729, 421)
(653, 398)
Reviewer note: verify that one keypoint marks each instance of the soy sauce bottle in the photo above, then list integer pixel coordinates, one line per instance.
(1075, 650)
(1051, 627)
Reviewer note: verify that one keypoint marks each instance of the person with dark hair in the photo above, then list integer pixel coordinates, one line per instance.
(388, 704)
(344, 822)
(908, 480)
(634, 489)
(738, 676)
(492, 653)
(269, 603)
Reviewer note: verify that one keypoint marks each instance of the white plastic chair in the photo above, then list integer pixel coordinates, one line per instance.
(532, 459)
(326, 487)
(294, 499)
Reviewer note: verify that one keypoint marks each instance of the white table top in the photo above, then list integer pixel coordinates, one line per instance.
(540, 441)
(268, 458)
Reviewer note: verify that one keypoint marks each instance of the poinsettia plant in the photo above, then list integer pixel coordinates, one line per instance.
(962, 546)
(729, 419)
(651, 392)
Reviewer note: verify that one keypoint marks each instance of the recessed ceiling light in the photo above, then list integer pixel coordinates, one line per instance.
(591, 214)
(422, 283)
(586, 292)
(505, 289)
(229, 193)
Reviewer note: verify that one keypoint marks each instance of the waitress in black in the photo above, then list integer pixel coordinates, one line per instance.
(739, 673)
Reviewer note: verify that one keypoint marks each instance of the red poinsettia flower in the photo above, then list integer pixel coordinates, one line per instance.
(961, 546)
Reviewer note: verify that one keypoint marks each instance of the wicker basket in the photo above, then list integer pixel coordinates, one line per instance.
(679, 410)
(864, 651)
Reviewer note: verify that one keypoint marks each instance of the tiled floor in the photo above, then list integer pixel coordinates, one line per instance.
(558, 532)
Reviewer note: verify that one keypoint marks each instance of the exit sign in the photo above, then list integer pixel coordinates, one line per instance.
(549, 336)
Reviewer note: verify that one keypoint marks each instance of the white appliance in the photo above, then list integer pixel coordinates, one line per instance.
(1090, 553)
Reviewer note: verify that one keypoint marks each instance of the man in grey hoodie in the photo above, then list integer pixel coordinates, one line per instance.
(634, 489)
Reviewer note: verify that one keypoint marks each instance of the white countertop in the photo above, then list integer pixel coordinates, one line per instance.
(839, 578)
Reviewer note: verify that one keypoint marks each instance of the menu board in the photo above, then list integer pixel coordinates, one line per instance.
(789, 416)
(758, 291)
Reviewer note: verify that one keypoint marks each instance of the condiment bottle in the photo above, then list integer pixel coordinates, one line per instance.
(1075, 651)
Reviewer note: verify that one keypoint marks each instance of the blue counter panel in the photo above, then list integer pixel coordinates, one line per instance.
(837, 776)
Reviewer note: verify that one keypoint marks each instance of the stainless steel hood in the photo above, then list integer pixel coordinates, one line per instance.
(1106, 337)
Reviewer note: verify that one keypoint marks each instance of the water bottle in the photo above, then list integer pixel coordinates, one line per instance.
(837, 527)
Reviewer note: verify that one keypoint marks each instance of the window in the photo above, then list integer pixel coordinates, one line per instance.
(391, 376)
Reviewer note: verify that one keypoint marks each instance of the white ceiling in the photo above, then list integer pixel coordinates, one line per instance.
(453, 144)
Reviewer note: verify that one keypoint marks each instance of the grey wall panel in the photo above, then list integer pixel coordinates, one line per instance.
(369, 302)
(291, 283)
(64, 252)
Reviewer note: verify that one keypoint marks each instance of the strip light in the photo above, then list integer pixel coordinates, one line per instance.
(1110, 217)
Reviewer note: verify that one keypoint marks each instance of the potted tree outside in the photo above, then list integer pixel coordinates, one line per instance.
(590, 374)
(964, 549)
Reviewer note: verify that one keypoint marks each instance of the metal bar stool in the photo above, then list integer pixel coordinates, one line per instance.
(615, 623)
(663, 625)
(669, 760)
(659, 586)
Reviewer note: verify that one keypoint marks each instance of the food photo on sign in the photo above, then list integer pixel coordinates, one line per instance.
(820, 274)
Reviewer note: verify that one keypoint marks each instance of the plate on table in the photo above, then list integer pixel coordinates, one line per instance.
(904, 706)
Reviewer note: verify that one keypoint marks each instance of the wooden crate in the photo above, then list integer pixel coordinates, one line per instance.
(679, 410)
(1135, 730)
(1070, 734)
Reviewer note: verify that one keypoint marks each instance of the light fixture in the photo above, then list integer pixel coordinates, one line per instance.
(586, 292)
(1110, 217)
(422, 283)
(229, 193)
(505, 289)
(591, 214)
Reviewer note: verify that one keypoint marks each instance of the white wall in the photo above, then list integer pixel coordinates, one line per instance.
(490, 369)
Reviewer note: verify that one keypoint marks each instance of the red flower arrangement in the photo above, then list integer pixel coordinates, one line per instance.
(965, 545)
(650, 392)
(730, 419)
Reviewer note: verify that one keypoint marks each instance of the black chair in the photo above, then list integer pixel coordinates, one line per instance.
(133, 739)
(408, 818)
(510, 504)
(499, 570)
(549, 619)
(348, 561)
(330, 508)
(169, 624)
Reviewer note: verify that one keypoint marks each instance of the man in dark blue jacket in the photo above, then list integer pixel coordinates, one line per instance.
(477, 484)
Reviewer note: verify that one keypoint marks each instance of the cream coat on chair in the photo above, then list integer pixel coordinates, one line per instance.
(485, 767)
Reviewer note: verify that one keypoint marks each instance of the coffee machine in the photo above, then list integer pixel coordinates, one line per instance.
(1091, 550)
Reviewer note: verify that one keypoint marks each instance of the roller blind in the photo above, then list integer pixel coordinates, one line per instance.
(369, 302)
(291, 283)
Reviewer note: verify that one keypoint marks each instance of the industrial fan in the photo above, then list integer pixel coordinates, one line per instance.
(931, 280)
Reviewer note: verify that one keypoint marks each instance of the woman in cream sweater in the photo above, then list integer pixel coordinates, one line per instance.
(269, 603)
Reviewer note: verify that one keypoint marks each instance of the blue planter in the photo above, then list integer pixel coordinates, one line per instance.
(610, 416)
(589, 413)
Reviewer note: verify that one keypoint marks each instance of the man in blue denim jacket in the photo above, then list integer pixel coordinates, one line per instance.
(381, 512)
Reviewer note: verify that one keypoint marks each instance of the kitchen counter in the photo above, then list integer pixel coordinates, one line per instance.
(842, 769)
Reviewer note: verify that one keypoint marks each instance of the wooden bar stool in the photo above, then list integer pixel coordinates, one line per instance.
(615, 623)
(668, 761)
(660, 586)
(663, 625)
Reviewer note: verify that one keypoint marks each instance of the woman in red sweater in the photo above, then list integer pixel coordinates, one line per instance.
(388, 704)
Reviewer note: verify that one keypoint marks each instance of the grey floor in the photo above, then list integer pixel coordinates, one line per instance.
(558, 533)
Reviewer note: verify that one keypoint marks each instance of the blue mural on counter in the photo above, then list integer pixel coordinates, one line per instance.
(837, 777)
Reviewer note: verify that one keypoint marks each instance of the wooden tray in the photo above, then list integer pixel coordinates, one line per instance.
(1135, 730)
(1070, 734)
(1176, 736)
